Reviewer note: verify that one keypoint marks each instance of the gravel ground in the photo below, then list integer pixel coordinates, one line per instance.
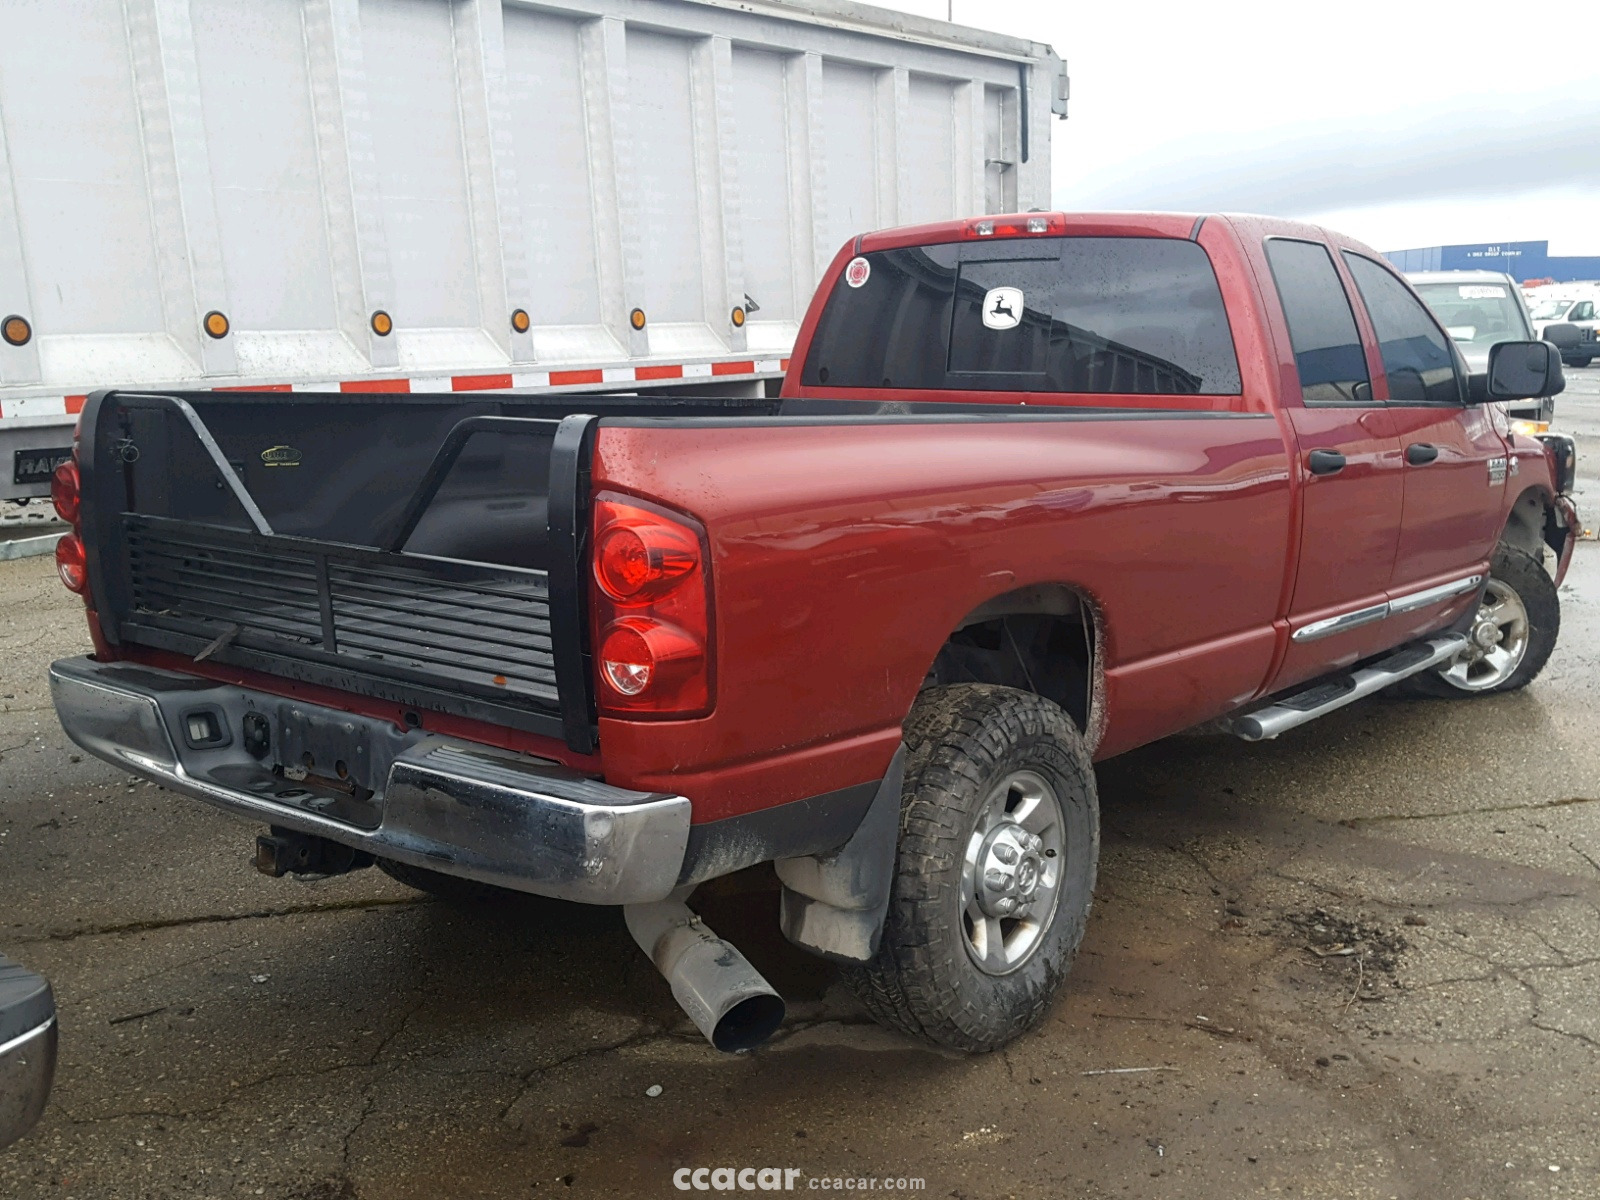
(228, 1035)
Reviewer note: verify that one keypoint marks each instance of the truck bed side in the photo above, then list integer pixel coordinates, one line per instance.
(846, 550)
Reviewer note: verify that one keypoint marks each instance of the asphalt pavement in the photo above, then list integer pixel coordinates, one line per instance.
(1360, 961)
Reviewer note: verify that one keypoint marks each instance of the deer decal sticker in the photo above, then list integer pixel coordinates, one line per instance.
(1002, 308)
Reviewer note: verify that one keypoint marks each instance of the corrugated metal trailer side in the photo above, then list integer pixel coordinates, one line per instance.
(468, 193)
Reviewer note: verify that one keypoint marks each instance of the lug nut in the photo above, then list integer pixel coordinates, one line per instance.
(1005, 852)
(1005, 904)
(997, 879)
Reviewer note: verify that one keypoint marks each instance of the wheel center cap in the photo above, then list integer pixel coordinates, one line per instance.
(1028, 877)
(1486, 634)
(1011, 870)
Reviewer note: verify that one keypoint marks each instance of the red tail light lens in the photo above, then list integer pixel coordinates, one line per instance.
(71, 564)
(64, 492)
(639, 654)
(638, 560)
(652, 610)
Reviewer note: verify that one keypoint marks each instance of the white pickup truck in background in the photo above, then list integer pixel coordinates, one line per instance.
(1479, 309)
(1572, 304)
(387, 195)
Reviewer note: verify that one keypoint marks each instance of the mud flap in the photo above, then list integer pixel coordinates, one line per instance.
(834, 904)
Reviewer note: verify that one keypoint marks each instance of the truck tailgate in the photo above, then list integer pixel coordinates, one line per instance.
(420, 549)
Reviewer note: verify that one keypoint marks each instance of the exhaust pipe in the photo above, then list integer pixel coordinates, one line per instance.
(723, 994)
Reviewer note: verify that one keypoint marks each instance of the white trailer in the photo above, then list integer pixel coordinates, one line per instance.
(465, 194)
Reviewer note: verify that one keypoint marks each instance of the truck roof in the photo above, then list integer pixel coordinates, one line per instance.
(1460, 277)
(1096, 224)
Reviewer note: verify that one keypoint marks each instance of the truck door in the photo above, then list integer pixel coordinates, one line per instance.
(1349, 461)
(1455, 461)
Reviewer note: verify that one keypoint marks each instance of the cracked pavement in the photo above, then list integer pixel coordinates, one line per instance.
(1367, 956)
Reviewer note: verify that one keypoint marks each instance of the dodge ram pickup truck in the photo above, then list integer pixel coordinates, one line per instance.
(1037, 490)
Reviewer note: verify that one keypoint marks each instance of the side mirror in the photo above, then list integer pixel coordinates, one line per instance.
(1520, 371)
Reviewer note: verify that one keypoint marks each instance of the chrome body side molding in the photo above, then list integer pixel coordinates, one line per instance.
(1407, 602)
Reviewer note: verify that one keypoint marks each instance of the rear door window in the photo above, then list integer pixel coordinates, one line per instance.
(1109, 316)
(1322, 327)
(1417, 357)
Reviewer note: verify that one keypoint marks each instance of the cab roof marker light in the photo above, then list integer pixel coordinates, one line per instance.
(1017, 225)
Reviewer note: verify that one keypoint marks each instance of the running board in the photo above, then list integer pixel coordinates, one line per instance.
(1329, 694)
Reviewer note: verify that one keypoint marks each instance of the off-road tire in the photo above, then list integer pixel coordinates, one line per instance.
(1525, 575)
(961, 742)
(450, 888)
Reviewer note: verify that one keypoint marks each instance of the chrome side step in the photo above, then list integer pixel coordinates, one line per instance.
(1329, 694)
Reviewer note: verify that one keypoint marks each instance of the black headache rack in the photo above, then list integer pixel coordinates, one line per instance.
(350, 546)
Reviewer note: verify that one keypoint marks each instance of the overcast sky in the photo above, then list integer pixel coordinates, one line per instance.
(1387, 119)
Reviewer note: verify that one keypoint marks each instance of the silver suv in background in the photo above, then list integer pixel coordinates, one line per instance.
(1478, 309)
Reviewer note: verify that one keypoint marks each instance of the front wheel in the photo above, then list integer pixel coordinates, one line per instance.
(1512, 634)
(999, 840)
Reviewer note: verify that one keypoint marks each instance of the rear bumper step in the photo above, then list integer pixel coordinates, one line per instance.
(449, 806)
(1326, 695)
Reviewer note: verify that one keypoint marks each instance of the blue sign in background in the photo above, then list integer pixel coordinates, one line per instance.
(1520, 260)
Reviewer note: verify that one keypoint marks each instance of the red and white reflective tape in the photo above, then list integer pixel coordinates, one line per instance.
(66, 406)
(41, 406)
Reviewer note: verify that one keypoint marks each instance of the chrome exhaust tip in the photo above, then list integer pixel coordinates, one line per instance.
(727, 999)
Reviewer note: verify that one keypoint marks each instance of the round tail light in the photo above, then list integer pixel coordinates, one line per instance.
(627, 660)
(636, 562)
(640, 653)
(64, 492)
(70, 563)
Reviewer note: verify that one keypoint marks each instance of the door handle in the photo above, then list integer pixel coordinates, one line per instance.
(1421, 453)
(1325, 462)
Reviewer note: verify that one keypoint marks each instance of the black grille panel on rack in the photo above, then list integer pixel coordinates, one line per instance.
(455, 626)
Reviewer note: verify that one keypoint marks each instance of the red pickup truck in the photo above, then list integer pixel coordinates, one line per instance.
(1038, 489)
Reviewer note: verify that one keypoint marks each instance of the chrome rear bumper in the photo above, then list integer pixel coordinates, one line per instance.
(27, 1049)
(450, 806)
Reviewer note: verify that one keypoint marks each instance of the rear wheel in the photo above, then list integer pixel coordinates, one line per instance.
(1512, 634)
(999, 839)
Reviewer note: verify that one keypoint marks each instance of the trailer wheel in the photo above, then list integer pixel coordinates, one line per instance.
(1512, 635)
(999, 841)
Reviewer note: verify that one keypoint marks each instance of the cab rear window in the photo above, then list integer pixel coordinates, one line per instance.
(1113, 316)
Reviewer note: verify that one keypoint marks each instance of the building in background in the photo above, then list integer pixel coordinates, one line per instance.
(1521, 260)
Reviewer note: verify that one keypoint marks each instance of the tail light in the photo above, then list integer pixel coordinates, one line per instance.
(64, 491)
(1017, 225)
(652, 610)
(71, 562)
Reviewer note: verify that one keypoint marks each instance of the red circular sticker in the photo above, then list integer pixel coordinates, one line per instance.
(855, 274)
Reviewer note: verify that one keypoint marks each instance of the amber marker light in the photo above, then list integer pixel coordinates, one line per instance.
(16, 330)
